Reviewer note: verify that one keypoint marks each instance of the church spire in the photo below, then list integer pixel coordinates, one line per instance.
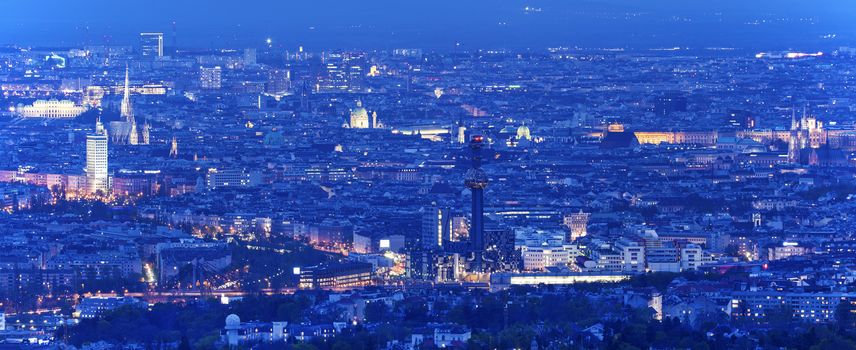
(126, 110)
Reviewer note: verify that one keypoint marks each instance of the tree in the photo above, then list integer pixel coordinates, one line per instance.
(376, 311)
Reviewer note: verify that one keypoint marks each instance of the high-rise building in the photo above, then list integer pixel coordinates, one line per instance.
(249, 57)
(436, 226)
(210, 77)
(476, 180)
(97, 178)
(151, 44)
(278, 82)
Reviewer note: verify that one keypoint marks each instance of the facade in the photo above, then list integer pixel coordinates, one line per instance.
(220, 178)
(278, 82)
(337, 276)
(436, 226)
(94, 307)
(786, 250)
(500, 281)
(577, 224)
(151, 44)
(210, 78)
(809, 307)
(540, 258)
(50, 109)
(359, 117)
(97, 175)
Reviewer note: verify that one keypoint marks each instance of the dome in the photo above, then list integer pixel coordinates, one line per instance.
(359, 117)
(523, 133)
(233, 321)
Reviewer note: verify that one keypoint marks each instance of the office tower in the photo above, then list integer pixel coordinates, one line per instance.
(249, 57)
(476, 180)
(210, 78)
(461, 133)
(436, 226)
(97, 179)
(278, 82)
(577, 224)
(421, 264)
(741, 119)
(151, 44)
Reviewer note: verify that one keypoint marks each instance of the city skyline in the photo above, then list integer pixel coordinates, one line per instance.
(472, 175)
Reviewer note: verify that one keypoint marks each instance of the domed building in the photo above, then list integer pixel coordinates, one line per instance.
(523, 133)
(616, 137)
(359, 117)
(233, 324)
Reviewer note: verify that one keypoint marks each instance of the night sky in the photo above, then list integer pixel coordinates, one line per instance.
(437, 24)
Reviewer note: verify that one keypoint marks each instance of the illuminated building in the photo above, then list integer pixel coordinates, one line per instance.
(540, 258)
(151, 44)
(462, 134)
(617, 137)
(787, 250)
(336, 276)
(210, 77)
(806, 306)
(705, 138)
(436, 227)
(133, 184)
(278, 82)
(50, 109)
(344, 72)
(125, 131)
(359, 117)
(523, 133)
(173, 148)
(577, 224)
(97, 177)
(501, 281)
(219, 178)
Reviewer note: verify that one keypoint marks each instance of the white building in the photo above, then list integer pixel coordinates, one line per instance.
(97, 176)
(210, 77)
(669, 258)
(151, 44)
(539, 258)
(632, 255)
(52, 108)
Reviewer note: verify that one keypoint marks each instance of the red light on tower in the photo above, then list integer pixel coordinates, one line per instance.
(478, 138)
